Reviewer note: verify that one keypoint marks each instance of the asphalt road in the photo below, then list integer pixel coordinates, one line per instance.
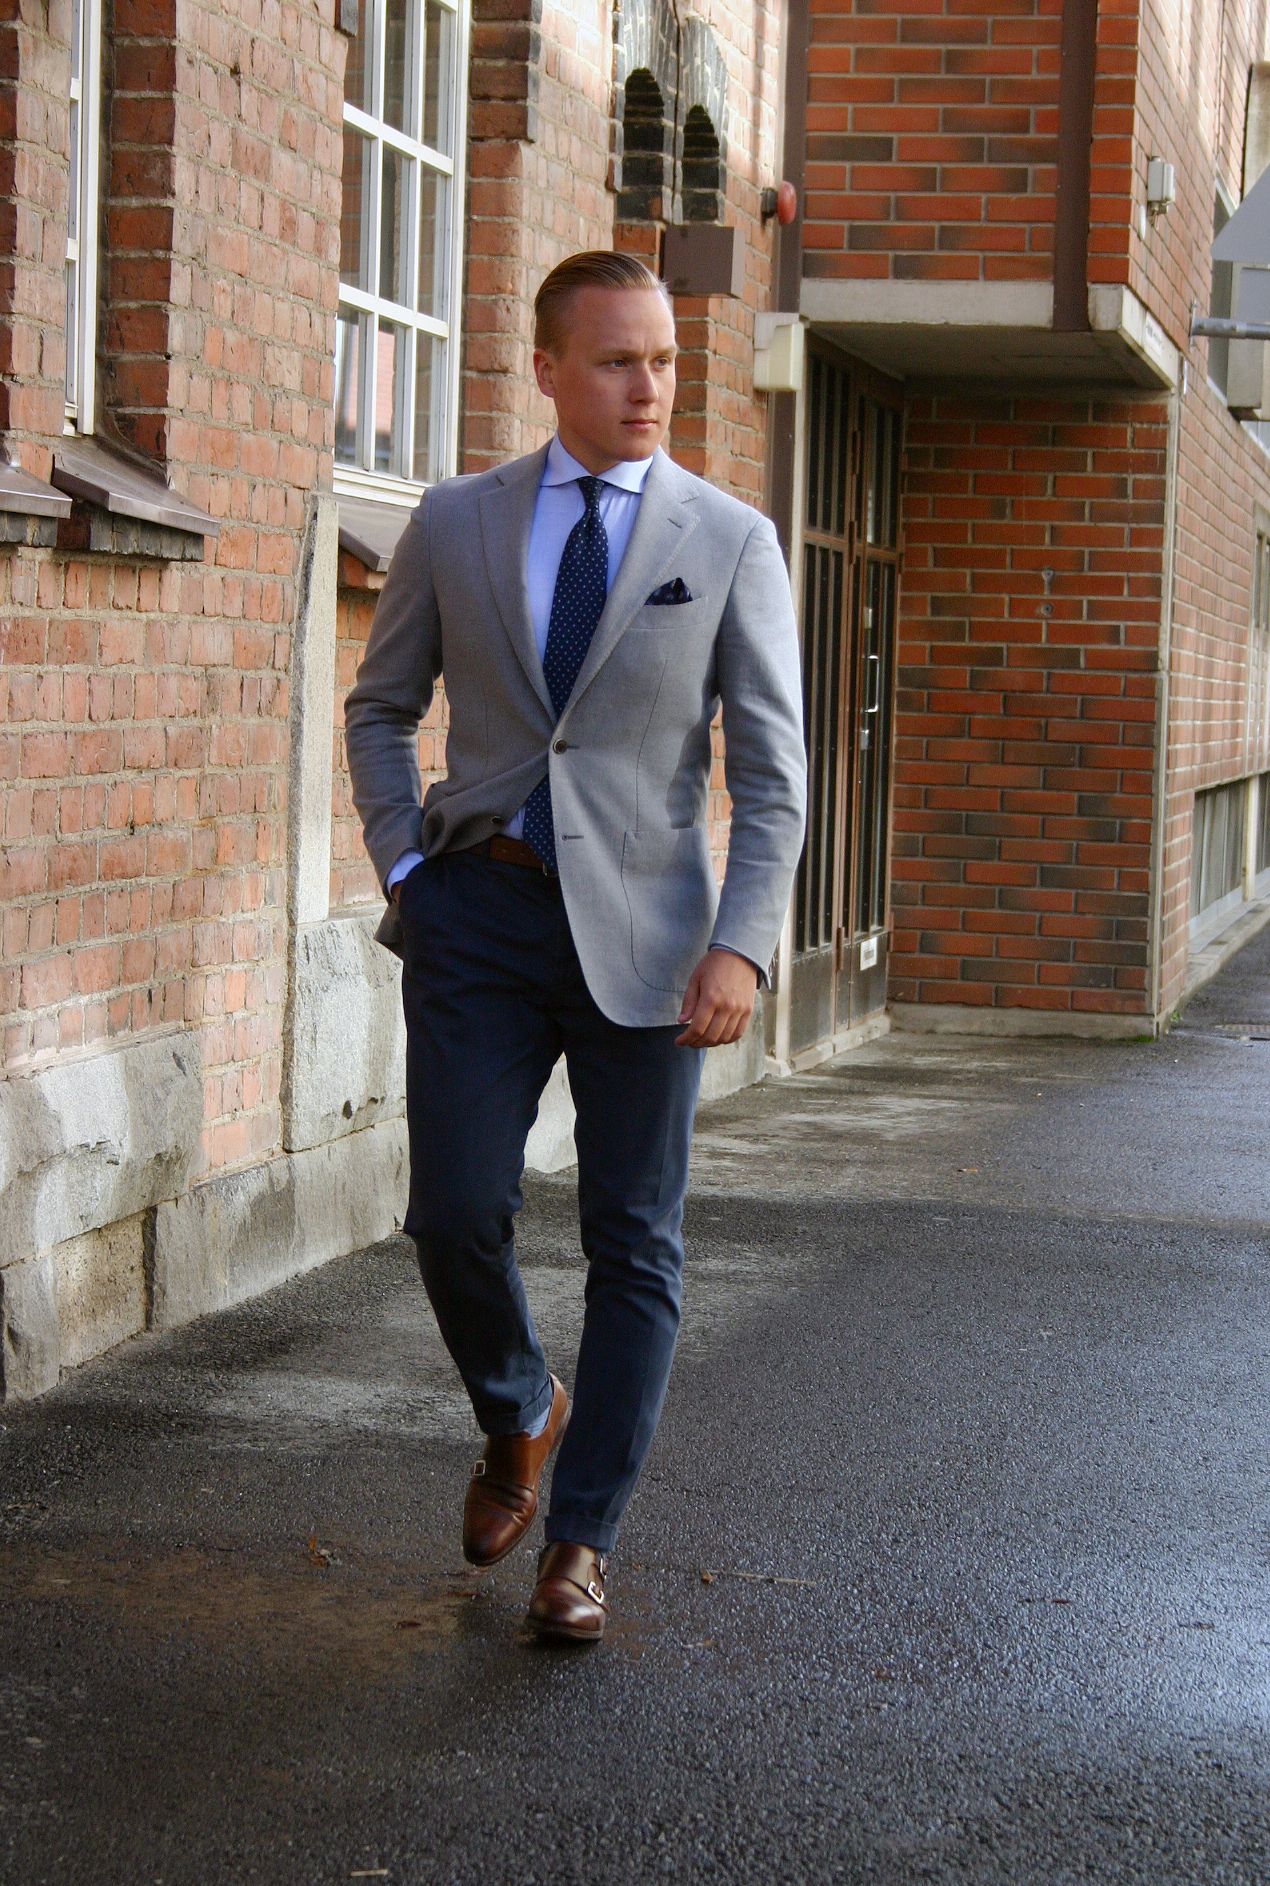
(950, 1564)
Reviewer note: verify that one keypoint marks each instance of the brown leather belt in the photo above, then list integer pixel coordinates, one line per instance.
(509, 851)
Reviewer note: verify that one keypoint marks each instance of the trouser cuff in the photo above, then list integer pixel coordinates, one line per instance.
(501, 1424)
(575, 1529)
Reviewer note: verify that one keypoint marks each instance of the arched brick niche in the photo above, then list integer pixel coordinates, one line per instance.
(702, 169)
(643, 123)
(702, 118)
(643, 193)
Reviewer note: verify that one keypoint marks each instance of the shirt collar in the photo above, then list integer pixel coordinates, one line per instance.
(562, 468)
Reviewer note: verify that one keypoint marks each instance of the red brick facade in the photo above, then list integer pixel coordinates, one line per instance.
(1076, 588)
(1034, 531)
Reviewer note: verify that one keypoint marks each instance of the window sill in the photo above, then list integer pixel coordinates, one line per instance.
(369, 533)
(30, 510)
(128, 510)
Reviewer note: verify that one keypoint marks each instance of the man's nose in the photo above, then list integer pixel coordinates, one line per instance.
(644, 386)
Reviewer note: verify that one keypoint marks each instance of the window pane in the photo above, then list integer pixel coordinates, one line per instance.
(354, 219)
(433, 247)
(429, 460)
(72, 335)
(72, 206)
(391, 366)
(438, 66)
(399, 28)
(357, 63)
(393, 225)
(347, 387)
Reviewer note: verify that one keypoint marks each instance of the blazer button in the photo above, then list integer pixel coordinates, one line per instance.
(560, 746)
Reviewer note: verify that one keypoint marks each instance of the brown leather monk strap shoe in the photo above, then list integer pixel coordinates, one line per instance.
(502, 1495)
(568, 1599)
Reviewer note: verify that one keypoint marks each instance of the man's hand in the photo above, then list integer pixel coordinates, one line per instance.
(719, 1001)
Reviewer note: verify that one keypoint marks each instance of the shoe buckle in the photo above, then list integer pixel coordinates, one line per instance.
(595, 1591)
(478, 1470)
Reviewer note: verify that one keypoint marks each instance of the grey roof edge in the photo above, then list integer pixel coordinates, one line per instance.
(32, 497)
(370, 529)
(103, 476)
(1245, 236)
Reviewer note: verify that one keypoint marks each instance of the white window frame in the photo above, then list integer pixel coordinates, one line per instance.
(364, 480)
(82, 218)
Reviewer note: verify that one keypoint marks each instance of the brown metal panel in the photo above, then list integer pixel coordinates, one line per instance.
(1075, 134)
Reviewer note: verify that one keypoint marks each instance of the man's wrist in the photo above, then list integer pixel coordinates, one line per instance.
(726, 949)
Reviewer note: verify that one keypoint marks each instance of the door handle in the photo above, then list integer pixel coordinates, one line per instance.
(873, 684)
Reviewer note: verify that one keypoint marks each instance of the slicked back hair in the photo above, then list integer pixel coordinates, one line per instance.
(592, 268)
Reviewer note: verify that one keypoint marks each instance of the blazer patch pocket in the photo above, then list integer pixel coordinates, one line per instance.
(672, 898)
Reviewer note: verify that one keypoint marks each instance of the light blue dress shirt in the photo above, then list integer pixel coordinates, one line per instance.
(558, 508)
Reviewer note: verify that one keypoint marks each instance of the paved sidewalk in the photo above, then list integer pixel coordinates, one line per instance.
(950, 1563)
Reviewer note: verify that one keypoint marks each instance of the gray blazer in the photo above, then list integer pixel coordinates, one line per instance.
(630, 756)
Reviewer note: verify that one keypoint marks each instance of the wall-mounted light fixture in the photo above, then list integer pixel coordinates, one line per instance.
(1161, 186)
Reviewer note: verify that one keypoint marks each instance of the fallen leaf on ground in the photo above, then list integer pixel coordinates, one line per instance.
(757, 1578)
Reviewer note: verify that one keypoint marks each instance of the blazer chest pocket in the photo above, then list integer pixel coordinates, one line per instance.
(672, 898)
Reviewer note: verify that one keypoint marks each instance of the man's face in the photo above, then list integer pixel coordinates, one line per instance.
(613, 378)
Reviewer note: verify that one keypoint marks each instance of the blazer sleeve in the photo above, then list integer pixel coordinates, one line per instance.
(759, 678)
(392, 693)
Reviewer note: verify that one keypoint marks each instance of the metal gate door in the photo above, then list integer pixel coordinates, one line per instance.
(849, 596)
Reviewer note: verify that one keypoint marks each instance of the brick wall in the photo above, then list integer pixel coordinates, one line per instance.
(931, 140)
(146, 702)
(1193, 75)
(1030, 605)
(34, 131)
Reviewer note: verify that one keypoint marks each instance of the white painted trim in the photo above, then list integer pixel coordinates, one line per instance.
(364, 478)
(352, 482)
(81, 412)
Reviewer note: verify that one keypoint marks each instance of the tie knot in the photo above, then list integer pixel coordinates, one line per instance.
(590, 490)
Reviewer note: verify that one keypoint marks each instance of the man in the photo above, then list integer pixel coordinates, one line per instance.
(589, 606)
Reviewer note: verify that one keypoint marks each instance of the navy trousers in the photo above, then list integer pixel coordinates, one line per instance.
(493, 995)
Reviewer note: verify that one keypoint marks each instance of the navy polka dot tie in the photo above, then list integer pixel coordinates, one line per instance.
(576, 606)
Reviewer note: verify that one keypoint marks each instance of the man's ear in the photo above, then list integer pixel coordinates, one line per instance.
(544, 372)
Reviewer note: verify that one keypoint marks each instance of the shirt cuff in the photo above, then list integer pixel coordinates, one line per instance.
(403, 867)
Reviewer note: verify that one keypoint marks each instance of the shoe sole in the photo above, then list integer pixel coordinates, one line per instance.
(484, 1565)
(563, 1633)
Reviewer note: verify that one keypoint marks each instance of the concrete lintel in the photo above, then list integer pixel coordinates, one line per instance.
(929, 304)
(955, 1018)
(1116, 314)
(88, 1141)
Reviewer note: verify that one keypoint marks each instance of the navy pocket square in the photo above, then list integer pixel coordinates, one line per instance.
(675, 591)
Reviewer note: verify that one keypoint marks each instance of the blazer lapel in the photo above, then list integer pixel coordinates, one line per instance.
(666, 518)
(507, 515)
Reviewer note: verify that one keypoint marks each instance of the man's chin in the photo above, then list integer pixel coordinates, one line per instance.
(640, 441)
